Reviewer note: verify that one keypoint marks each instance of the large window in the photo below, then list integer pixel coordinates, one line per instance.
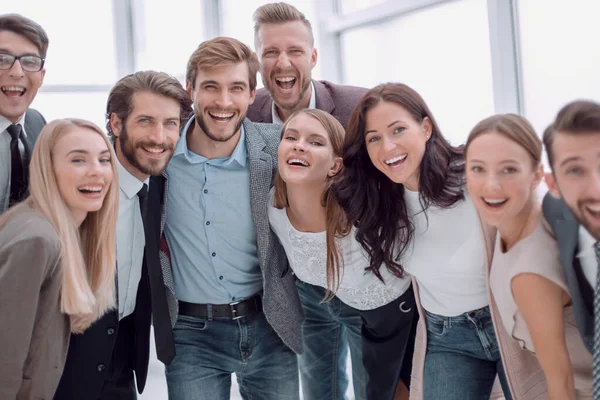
(560, 56)
(443, 52)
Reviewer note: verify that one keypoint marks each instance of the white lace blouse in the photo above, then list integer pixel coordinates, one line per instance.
(307, 255)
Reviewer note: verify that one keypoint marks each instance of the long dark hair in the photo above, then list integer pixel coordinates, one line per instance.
(373, 203)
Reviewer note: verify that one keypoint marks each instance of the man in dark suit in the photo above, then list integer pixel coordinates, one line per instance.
(572, 207)
(144, 113)
(23, 47)
(233, 301)
(284, 42)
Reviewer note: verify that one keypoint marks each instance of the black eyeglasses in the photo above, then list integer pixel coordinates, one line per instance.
(29, 63)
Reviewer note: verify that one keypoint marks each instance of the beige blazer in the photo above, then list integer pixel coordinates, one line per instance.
(525, 378)
(34, 334)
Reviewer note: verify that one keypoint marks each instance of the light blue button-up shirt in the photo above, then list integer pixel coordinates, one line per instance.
(209, 226)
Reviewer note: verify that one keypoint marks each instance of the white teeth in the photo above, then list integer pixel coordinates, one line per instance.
(286, 79)
(13, 88)
(91, 188)
(494, 201)
(395, 159)
(153, 150)
(297, 161)
(221, 115)
(594, 208)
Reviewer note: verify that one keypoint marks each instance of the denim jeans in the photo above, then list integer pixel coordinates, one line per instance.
(208, 351)
(462, 357)
(328, 331)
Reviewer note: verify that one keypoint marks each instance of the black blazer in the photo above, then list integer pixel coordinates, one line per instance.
(91, 353)
(566, 230)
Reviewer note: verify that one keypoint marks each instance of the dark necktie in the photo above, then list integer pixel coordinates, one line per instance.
(18, 165)
(596, 369)
(163, 333)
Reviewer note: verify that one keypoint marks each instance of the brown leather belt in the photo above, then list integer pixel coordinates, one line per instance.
(236, 310)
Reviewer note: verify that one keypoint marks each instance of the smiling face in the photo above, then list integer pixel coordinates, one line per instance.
(286, 62)
(501, 178)
(576, 176)
(396, 142)
(147, 139)
(305, 154)
(17, 87)
(81, 163)
(221, 97)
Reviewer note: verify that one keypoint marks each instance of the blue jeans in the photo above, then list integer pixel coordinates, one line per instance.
(328, 331)
(462, 358)
(208, 351)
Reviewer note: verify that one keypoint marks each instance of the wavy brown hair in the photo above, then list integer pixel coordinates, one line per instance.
(373, 203)
(336, 221)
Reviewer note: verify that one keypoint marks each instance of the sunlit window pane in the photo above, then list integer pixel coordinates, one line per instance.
(349, 6)
(560, 56)
(167, 33)
(86, 105)
(82, 48)
(448, 62)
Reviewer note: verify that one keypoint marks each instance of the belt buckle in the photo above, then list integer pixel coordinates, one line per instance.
(234, 311)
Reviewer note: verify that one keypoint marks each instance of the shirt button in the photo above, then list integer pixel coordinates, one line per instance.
(233, 299)
(221, 277)
(205, 190)
(101, 367)
(207, 222)
(110, 331)
(214, 254)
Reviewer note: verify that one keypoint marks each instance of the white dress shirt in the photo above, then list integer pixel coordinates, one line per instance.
(587, 256)
(130, 241)
(5, 160)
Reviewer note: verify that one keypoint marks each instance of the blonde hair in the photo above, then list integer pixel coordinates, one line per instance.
(88, 254)
(221, 51)
(336, 220)
(278, 13)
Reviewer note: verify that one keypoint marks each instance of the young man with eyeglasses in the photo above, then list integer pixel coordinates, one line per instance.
(23, 46)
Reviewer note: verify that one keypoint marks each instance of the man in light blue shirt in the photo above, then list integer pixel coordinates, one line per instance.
(238, 309)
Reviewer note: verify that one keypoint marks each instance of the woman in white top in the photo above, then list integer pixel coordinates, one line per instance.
(403, 189)
(322, 251)
(503, 155)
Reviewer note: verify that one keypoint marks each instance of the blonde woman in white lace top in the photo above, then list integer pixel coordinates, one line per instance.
(326, 258)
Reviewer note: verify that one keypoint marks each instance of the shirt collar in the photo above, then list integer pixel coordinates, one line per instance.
(238, 155)
(129, 184)
(311, 104)
(5, 123)
(586, 242)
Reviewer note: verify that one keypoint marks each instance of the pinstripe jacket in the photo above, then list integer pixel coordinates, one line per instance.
(280, 300)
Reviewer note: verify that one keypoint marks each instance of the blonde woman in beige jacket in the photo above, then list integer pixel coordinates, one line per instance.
(57, 256)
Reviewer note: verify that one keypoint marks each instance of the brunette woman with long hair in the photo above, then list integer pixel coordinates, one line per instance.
(403, 190)
(329, 262)
(57, 256)
(504, 168)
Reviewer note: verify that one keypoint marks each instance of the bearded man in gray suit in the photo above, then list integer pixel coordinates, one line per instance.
(572, 207)
(229, 285)
(284, 42)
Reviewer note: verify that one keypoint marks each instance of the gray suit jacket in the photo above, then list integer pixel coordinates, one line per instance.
(34, 122)
(337, 100)
(566, 229)
(281, 303)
